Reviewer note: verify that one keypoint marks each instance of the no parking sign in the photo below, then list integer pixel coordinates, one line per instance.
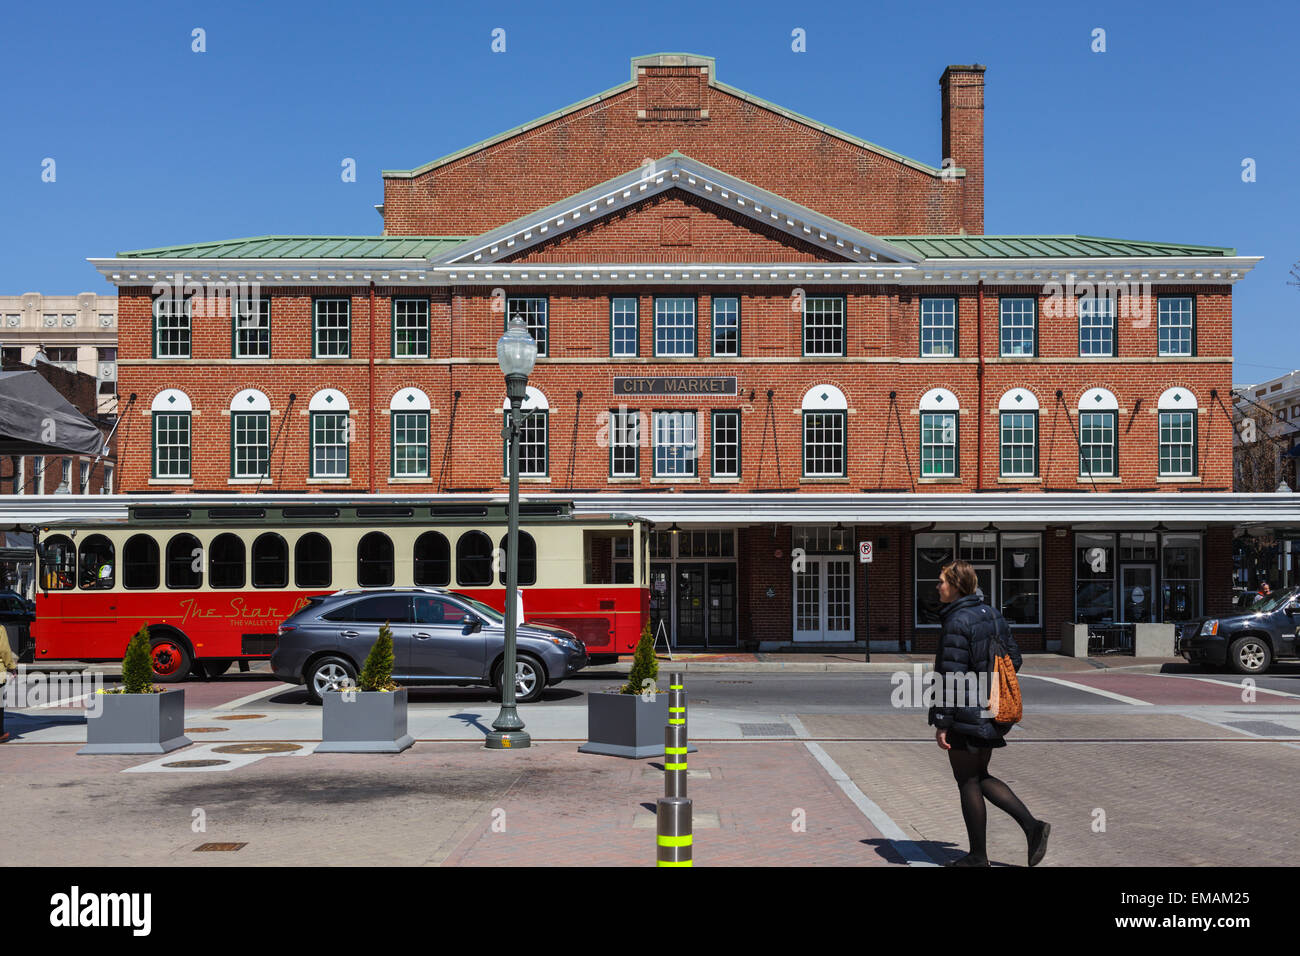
(864, 552)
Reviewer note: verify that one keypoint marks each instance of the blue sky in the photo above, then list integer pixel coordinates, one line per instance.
(155, 144)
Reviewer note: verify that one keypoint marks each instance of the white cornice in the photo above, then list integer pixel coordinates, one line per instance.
(1190, 270)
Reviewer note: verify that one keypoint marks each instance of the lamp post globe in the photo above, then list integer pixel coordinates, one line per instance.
(516, 354)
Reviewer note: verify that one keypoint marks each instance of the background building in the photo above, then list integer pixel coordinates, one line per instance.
(779, 340)
(75, 332)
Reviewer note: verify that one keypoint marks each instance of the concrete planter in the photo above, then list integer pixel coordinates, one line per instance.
(624, 725)
(137, 724)
(371, 722)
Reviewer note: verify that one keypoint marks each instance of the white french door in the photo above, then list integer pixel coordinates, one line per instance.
(823, 599)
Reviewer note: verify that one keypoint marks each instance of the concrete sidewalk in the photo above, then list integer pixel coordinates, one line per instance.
(850, 662)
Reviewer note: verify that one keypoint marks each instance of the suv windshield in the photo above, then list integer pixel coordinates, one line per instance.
(1271, 603)
(491, 613)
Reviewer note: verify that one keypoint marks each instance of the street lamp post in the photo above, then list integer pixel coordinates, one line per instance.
(516, 353)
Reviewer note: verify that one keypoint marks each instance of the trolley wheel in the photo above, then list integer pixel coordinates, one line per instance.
(171, 659)
(1249, 655)
(327, 672)
(530, 679)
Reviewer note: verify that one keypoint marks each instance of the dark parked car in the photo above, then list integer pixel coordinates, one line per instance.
(1247, 643)
(17, 615)
(439, 638)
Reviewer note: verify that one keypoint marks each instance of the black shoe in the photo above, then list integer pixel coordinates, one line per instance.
(1038, 842)
(969, 860)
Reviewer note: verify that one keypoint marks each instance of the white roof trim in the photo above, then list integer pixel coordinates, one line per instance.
(675, 172)
(328, 400)
(250, 400)
(410, 400)
(1018, 400)
(822, 398)
(1176, 399)
(1098, 399)
(171, 400)
(939, 400)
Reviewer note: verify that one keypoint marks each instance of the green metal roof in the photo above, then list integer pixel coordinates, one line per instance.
(1044, 247)
(305, 247)
(423, 247)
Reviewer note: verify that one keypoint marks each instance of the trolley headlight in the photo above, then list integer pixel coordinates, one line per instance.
(1210, 628)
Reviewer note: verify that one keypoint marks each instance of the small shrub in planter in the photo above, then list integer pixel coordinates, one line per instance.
(370, 718)
(631, 721)
(137, 718)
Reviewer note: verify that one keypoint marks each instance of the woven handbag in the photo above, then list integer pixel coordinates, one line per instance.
(1004, 690)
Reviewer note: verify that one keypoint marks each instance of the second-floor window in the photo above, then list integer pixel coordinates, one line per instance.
(1177, 443)
(329, 444)
(1097, 444)
(171, 327)
(726, 444)
(250, 444)
(823, 325)
(1096, 326)
(1019, 440)
(1018, 319)
(938, 327)
(410, 444)
(410, 328)
(675, 326)
(250, 327)
(674, 444)
(623, 331)
(533, 458)
(171, 444)
(1176, 325)
(534, 312)
(331, 328)
(824, 444)
(726, 326)
(939, 444)
(624, 443)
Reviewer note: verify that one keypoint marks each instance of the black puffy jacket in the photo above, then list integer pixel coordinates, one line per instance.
(968, 627)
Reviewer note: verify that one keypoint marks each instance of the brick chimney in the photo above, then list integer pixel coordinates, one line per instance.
(962, 91)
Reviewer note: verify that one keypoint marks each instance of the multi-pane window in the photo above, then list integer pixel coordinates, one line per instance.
(251, 327)
(331, 328)
(171, 327)
(410, 328)
(64, 356)
(532, 445)
(106, 370)
(674, 444)
(1019, 444)
(1096, 325)
(823, 444)
(250, 444)
(939, 444)
(410, 444)
(726, 326)
(938, 326)
(1018, 324)
(675, 326)
(171, 444)
(1175, 325)
(534, 313)
(823, 325)
(1178, 443)
(329, 444)
(624, 443)
(726, 444)
(1097, 444)
(623, 326)
(83, 482)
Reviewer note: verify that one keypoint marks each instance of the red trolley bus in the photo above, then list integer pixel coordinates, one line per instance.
(213, 579)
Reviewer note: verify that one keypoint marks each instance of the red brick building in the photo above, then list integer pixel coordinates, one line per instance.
(774, 337)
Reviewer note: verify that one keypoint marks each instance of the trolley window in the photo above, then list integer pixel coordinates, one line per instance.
(312, 559)
(473, 559)
(527, 559)
(270, 561)
(140, 563)
(375, 560)
(58, 558)
(184, 562)
(96, 568)
(432, 560)
(226, 561)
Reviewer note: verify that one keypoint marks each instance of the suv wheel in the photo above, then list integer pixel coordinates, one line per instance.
(1249, 655)
(326, 673)
(530, 680)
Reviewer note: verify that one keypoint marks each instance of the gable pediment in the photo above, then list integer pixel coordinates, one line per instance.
(700, 190)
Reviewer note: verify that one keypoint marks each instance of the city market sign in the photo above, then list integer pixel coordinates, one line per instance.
(676, 385)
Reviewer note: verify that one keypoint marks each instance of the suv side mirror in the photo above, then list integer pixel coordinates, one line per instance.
(472, 623)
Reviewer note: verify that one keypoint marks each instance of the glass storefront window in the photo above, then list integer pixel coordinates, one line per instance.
(1181, 572)
(1137, 546)
(1094, 578)
(933, 551)
(978, 546)
(1020, 578)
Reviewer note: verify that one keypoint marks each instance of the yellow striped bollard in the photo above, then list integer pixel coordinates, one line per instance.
(673, 827)
(674, 761)
(677, 703)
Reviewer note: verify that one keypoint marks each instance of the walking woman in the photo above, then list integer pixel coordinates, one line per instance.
(968, 626)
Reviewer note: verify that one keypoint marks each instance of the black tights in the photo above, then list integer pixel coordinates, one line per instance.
(971, 771)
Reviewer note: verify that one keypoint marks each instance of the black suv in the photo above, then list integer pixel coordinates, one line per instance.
(1248, 643)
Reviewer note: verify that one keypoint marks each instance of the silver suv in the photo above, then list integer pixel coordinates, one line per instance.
(439, 638)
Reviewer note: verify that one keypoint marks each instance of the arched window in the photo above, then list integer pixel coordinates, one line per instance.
(1018, 433)
(184, 562)
(270, 561)
(534, 416)
(474, 559)
(226, 561)
(825, 423)
(58, 563)
(328, 411)
(312, 561)
(1098, 434)
(171, 434)
(375, 560)
(1177, 451)
(939, 444)
(527, 559)
(95, 567)
(432, 560)
(250, 435)
(409, 410)
(140, 563)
